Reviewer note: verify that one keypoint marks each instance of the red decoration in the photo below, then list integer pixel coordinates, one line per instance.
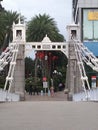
(54, 57)
(40, 55)
(44, 79)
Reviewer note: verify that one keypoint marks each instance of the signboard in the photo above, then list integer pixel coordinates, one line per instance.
(93, 15)
(93, 81)
(45, 84)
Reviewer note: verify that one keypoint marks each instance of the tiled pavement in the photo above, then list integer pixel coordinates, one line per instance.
(49, 115)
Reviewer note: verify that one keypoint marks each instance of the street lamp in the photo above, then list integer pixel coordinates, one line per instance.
(46, 66)
(56, 78)
(57, 73)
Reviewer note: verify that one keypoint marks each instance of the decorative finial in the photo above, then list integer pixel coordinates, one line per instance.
(19, 22)
(46, 39)
(13, 23)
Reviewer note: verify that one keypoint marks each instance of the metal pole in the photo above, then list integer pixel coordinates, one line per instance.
(45, 91)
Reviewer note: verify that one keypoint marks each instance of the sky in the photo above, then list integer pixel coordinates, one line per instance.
(60, 10)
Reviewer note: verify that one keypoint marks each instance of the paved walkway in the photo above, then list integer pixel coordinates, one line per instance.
(54, 115)
(58, 96)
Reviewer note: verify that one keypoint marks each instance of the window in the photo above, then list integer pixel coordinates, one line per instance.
(90, 24)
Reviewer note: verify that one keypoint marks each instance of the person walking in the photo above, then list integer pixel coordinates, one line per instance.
(30, 89)
(52, 91)
(60, 86)
(36, 90)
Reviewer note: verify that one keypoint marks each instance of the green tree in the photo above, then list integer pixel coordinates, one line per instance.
(41, 25)
(29, 67)
(6, 21)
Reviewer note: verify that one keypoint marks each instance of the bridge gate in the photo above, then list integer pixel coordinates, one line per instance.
(76, 52)
(17, 83)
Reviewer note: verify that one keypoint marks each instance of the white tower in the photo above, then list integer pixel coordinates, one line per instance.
(19, 32)
(73, 74)
(73, 32)
(19, 74)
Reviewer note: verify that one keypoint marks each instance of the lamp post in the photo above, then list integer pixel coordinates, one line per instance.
(46, 65)
(45, 78)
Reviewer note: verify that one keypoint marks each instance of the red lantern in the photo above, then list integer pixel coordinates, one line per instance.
(42, 55)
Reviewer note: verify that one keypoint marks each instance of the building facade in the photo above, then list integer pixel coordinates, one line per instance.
(1, 8)
(85, 13)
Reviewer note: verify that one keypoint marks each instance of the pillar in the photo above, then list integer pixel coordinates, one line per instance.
(73, 73)
(19, 74)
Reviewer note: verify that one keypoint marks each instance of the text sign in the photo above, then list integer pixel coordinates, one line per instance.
(92, 15)
(45, 84)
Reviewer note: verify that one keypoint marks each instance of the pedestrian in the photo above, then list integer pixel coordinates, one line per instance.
(60, 86)
(52, 91)
(30, 89)
(36, 90)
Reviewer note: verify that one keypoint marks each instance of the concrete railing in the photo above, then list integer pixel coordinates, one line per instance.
(92, 95)
(5, 96)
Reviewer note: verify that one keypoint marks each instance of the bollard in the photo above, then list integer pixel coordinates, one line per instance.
(41, 92)
(70, 96)
(48, 92)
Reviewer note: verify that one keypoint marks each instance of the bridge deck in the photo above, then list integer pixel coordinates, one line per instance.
(57, 115)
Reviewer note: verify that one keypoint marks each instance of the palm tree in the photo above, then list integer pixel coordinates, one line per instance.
(6, 21)
(41, 25)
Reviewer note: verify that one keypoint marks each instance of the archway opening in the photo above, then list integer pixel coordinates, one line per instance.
(47, 69)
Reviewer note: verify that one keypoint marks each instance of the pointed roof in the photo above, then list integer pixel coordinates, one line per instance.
(46, 39)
